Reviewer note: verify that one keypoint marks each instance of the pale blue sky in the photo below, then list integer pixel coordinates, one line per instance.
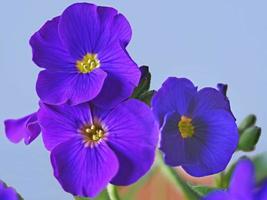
(207, 41)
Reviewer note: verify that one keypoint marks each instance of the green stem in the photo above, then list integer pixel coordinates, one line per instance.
(172, 175)
(112, 192)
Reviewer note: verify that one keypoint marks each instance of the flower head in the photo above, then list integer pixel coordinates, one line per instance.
(198, 131)
(7, 193)
(92, 146)
(242, 185)
(84, 57)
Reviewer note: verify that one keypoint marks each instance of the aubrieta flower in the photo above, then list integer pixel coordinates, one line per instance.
(26, 128)
(84, 57)
(242, 185)
(91, 147)
(198, 131)
(8, 193)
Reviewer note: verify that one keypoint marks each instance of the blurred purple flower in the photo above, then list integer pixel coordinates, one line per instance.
(26, 128)
(83, 53)
(242, 185)
(7, 193)
(91, 147)
(198, 131)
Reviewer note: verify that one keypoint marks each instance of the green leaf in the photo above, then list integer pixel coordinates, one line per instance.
(203, 190)
(260, 163)
(249, 139)
(80, 198)
(249, 121)
(102, 196)
(144, 83)
(147, 96)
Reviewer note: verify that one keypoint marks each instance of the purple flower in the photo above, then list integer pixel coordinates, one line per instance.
(84, 57)
(242, 185)
(198, 131)
(26, 128)
(7, 193)
(91, 147)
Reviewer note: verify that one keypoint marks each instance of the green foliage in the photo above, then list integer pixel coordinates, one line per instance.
(103, 196)
(249, 121)
(249, 134)
(249, 139)
(142, 91)
(260, 163)
(203, 190)
(147, 96)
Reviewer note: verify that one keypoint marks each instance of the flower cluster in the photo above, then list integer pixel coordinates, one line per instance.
(95, 131)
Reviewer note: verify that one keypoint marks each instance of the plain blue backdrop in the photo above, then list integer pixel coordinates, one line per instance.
(207, 41)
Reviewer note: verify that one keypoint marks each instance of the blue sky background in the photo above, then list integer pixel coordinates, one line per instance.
(207, 41)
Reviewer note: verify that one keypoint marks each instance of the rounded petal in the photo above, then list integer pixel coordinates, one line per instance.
(86, 28)
(116, 61)
(174, 95)
(8, 193)
(213, 144)
(26, 128)
(244, 173)
(60, 123)
(73, 88)
(114, 91)
(132, 135)
(83, 171)
(207, 99)
(171, 143)
(219, 195)
(48, 51)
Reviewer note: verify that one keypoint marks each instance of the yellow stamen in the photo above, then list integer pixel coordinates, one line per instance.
(186, 127)
(93, 133)
(88, 63)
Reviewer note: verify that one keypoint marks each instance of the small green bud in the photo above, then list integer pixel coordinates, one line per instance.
(249, 138)
(249, 121)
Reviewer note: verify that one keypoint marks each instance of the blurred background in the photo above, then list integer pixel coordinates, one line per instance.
(207, 41)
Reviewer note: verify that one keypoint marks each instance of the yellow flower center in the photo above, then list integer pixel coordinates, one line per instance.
(88, 63)
(92, 134)
(186, 127)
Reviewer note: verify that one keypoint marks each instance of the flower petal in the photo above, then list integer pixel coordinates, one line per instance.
(243, 180)
(213, 144)
(9, 194)
(85, 28)
(207, 99)
(83, 171)
(132, 135)
(26, 128)
(174, 95)
(48, 51)
(171, 143)
(113, 92)
(116, 61)
(74, 88)
(60, 123)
